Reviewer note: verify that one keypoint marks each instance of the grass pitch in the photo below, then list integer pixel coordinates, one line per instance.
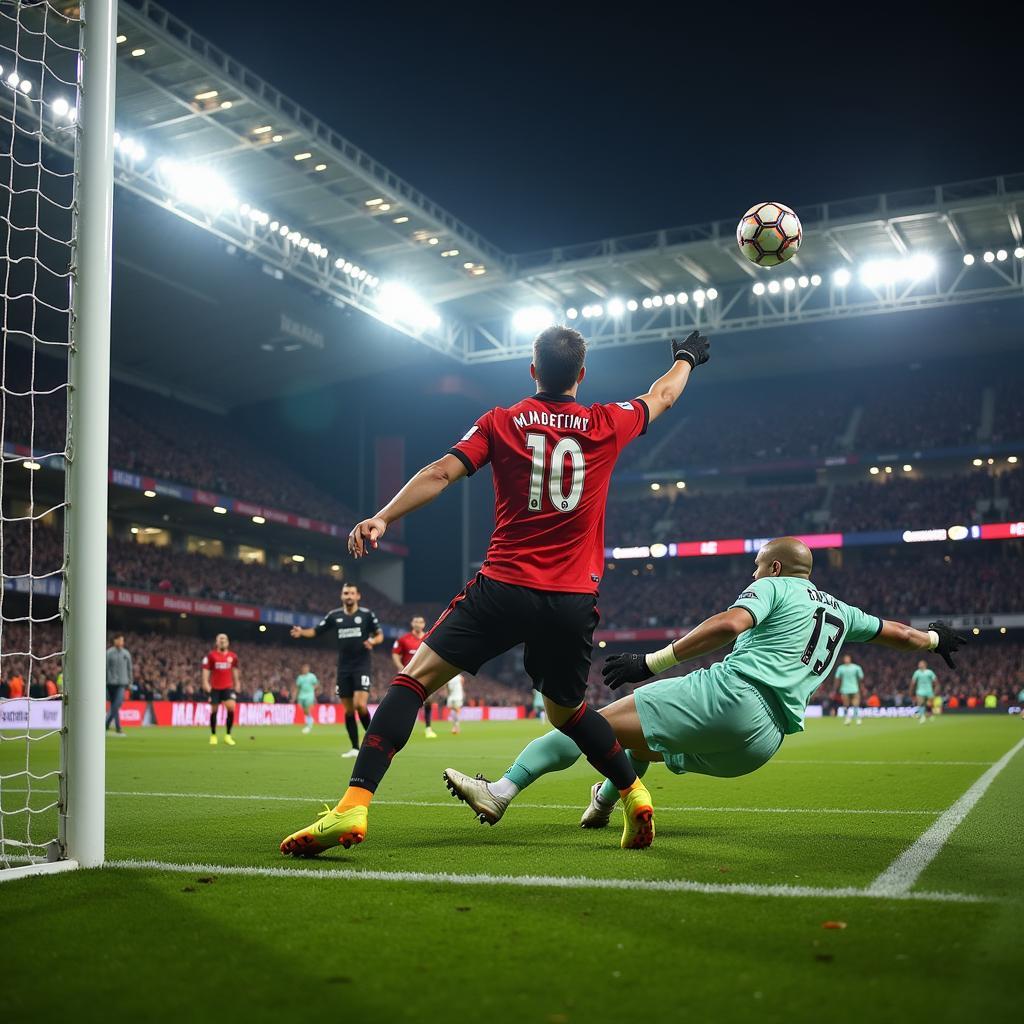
(750, 872)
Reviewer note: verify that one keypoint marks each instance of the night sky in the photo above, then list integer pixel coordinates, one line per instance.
(544, 127)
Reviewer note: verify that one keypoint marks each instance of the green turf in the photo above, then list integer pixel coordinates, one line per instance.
(141, 943)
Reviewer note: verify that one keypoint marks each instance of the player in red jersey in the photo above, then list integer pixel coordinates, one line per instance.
(552, 460)
(401, 654)
(221, 680)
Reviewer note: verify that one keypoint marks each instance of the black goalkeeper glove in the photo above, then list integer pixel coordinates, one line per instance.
(949, 642)
(620, 669)
(696, 349)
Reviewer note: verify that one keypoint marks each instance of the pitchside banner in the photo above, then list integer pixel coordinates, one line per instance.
(22, 713)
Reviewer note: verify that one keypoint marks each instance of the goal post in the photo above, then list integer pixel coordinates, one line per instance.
(85, 595)
(57, 68)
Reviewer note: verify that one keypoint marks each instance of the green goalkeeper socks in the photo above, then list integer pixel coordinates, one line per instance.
(552, 752)
(608, 793)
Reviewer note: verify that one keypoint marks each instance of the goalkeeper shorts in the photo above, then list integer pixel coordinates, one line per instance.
(709, 724)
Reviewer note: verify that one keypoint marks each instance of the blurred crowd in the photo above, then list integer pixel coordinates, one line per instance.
(169, 667)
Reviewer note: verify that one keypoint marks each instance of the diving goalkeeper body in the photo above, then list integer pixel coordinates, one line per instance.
(729, 719)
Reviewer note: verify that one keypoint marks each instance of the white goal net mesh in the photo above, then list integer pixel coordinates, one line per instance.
(40, 74)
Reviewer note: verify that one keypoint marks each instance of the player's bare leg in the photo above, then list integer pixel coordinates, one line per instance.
(350, 727)
(855, 702)
(388, 733)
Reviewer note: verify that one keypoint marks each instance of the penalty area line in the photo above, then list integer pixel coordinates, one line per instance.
(901, 875)
(539, 881)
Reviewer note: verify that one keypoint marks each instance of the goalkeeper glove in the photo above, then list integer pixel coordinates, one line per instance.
(620, 669)
(695, 349)
(949, 641)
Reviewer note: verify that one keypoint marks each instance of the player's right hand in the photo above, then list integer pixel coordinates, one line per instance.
(620, 669)
(364, 536)
(296, 632)
(695, 349)
(949, 641)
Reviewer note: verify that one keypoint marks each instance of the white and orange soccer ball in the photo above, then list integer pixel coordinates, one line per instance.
(769, 234)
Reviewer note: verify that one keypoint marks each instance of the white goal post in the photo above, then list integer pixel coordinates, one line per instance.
(56, 95)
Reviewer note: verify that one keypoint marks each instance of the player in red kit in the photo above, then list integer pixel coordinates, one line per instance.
(221, 680)
(401, 654)
(552, 460)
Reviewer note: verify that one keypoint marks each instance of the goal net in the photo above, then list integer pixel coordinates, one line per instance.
(43, 81)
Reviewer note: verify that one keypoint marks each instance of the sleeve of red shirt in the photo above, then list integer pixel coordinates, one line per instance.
(474, 450)
(234, 660)
(206, 661)
(629, 419)
(396, 647)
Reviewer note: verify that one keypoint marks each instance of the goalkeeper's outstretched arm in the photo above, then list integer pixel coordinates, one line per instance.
(939, 637)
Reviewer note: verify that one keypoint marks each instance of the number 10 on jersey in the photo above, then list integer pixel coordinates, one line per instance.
(566, 448)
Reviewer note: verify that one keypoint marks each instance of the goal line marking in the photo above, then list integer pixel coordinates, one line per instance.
(321, 874)
(901, 875)
(455, 805)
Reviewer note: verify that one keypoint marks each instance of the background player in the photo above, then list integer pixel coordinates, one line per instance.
(221, 680)
(358, 631)
(850, 676)
(922, 685)
(729, 719)
(539, 581)
(404, 648)
(456, 698)
(306, 685)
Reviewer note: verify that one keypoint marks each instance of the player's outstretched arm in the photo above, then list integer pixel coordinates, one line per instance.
(687, 355)
(942, 639)
(422, 489)
(298, 633)
(710, 635)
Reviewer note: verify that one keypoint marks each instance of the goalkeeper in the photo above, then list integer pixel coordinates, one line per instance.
(729, 719)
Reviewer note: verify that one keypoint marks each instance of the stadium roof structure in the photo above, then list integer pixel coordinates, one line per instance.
(210, 141)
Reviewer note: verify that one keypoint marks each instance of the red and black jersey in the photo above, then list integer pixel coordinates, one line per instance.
(221, 665)
(552, 462)
(406, 646)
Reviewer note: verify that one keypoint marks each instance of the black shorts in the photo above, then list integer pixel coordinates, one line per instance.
(489, 617)
(218, 696)
(351, 681)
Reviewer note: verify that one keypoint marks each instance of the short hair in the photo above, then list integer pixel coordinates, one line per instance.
(558, 355)
(118, 636)
(350, 586)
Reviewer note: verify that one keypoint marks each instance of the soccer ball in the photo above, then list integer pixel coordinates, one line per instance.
(769, 234)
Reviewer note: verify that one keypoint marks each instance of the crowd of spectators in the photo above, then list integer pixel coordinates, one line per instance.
(168, 667)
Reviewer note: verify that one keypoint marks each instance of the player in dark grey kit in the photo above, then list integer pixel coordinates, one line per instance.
(358, 631)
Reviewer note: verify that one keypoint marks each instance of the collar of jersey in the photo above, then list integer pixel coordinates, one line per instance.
(547, 396)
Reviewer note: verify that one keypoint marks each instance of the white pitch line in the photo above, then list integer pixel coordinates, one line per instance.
(455, 805)
(899, 877)
(535, 881)
(921, 764)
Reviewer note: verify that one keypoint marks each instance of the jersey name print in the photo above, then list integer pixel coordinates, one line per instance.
(552, 460)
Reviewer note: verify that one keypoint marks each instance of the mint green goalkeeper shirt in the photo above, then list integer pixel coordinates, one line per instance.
(797, 636)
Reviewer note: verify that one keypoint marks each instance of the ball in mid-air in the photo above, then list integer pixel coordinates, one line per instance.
(769, 234)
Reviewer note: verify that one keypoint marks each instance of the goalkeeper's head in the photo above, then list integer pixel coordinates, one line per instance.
(784, 556)
(558, 355)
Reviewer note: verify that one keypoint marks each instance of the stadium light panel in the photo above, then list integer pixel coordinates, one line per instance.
(682, 298)
(657, 302)
(263, 129)
(258, 520)
(335, 568)
(647, 303)
(122, 39)
(712, 294)
(616, 307)
(149, 494)
(655, 487)
(400, 220)
(197, 186)
(374, 202)
(1000, 255)
(989, 256)
(299, 157)
(449, 252)
(208, 95)
(134, 530)
(632, 305)
(1012, 460)
(597, 310)
(907, 467)
(276, 138)
(32, 466)
(384, 207)
(263, 627)
(977, 462)
(874, 471)
(226, 105)
(841, 277)
(571, 313)
(803, 280)
(774, 287)
(759, 288)
(433, 241)
(680, 485)
(815, 280)
(320, 167)
(670, 300)
(699, 295)
(13, 79)
(139, 51)
(298, 558)
(220, 510)
(25, 86)
(400, 303)
(968, 259)
(789, 284)
(531, 319)
(888, 469)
